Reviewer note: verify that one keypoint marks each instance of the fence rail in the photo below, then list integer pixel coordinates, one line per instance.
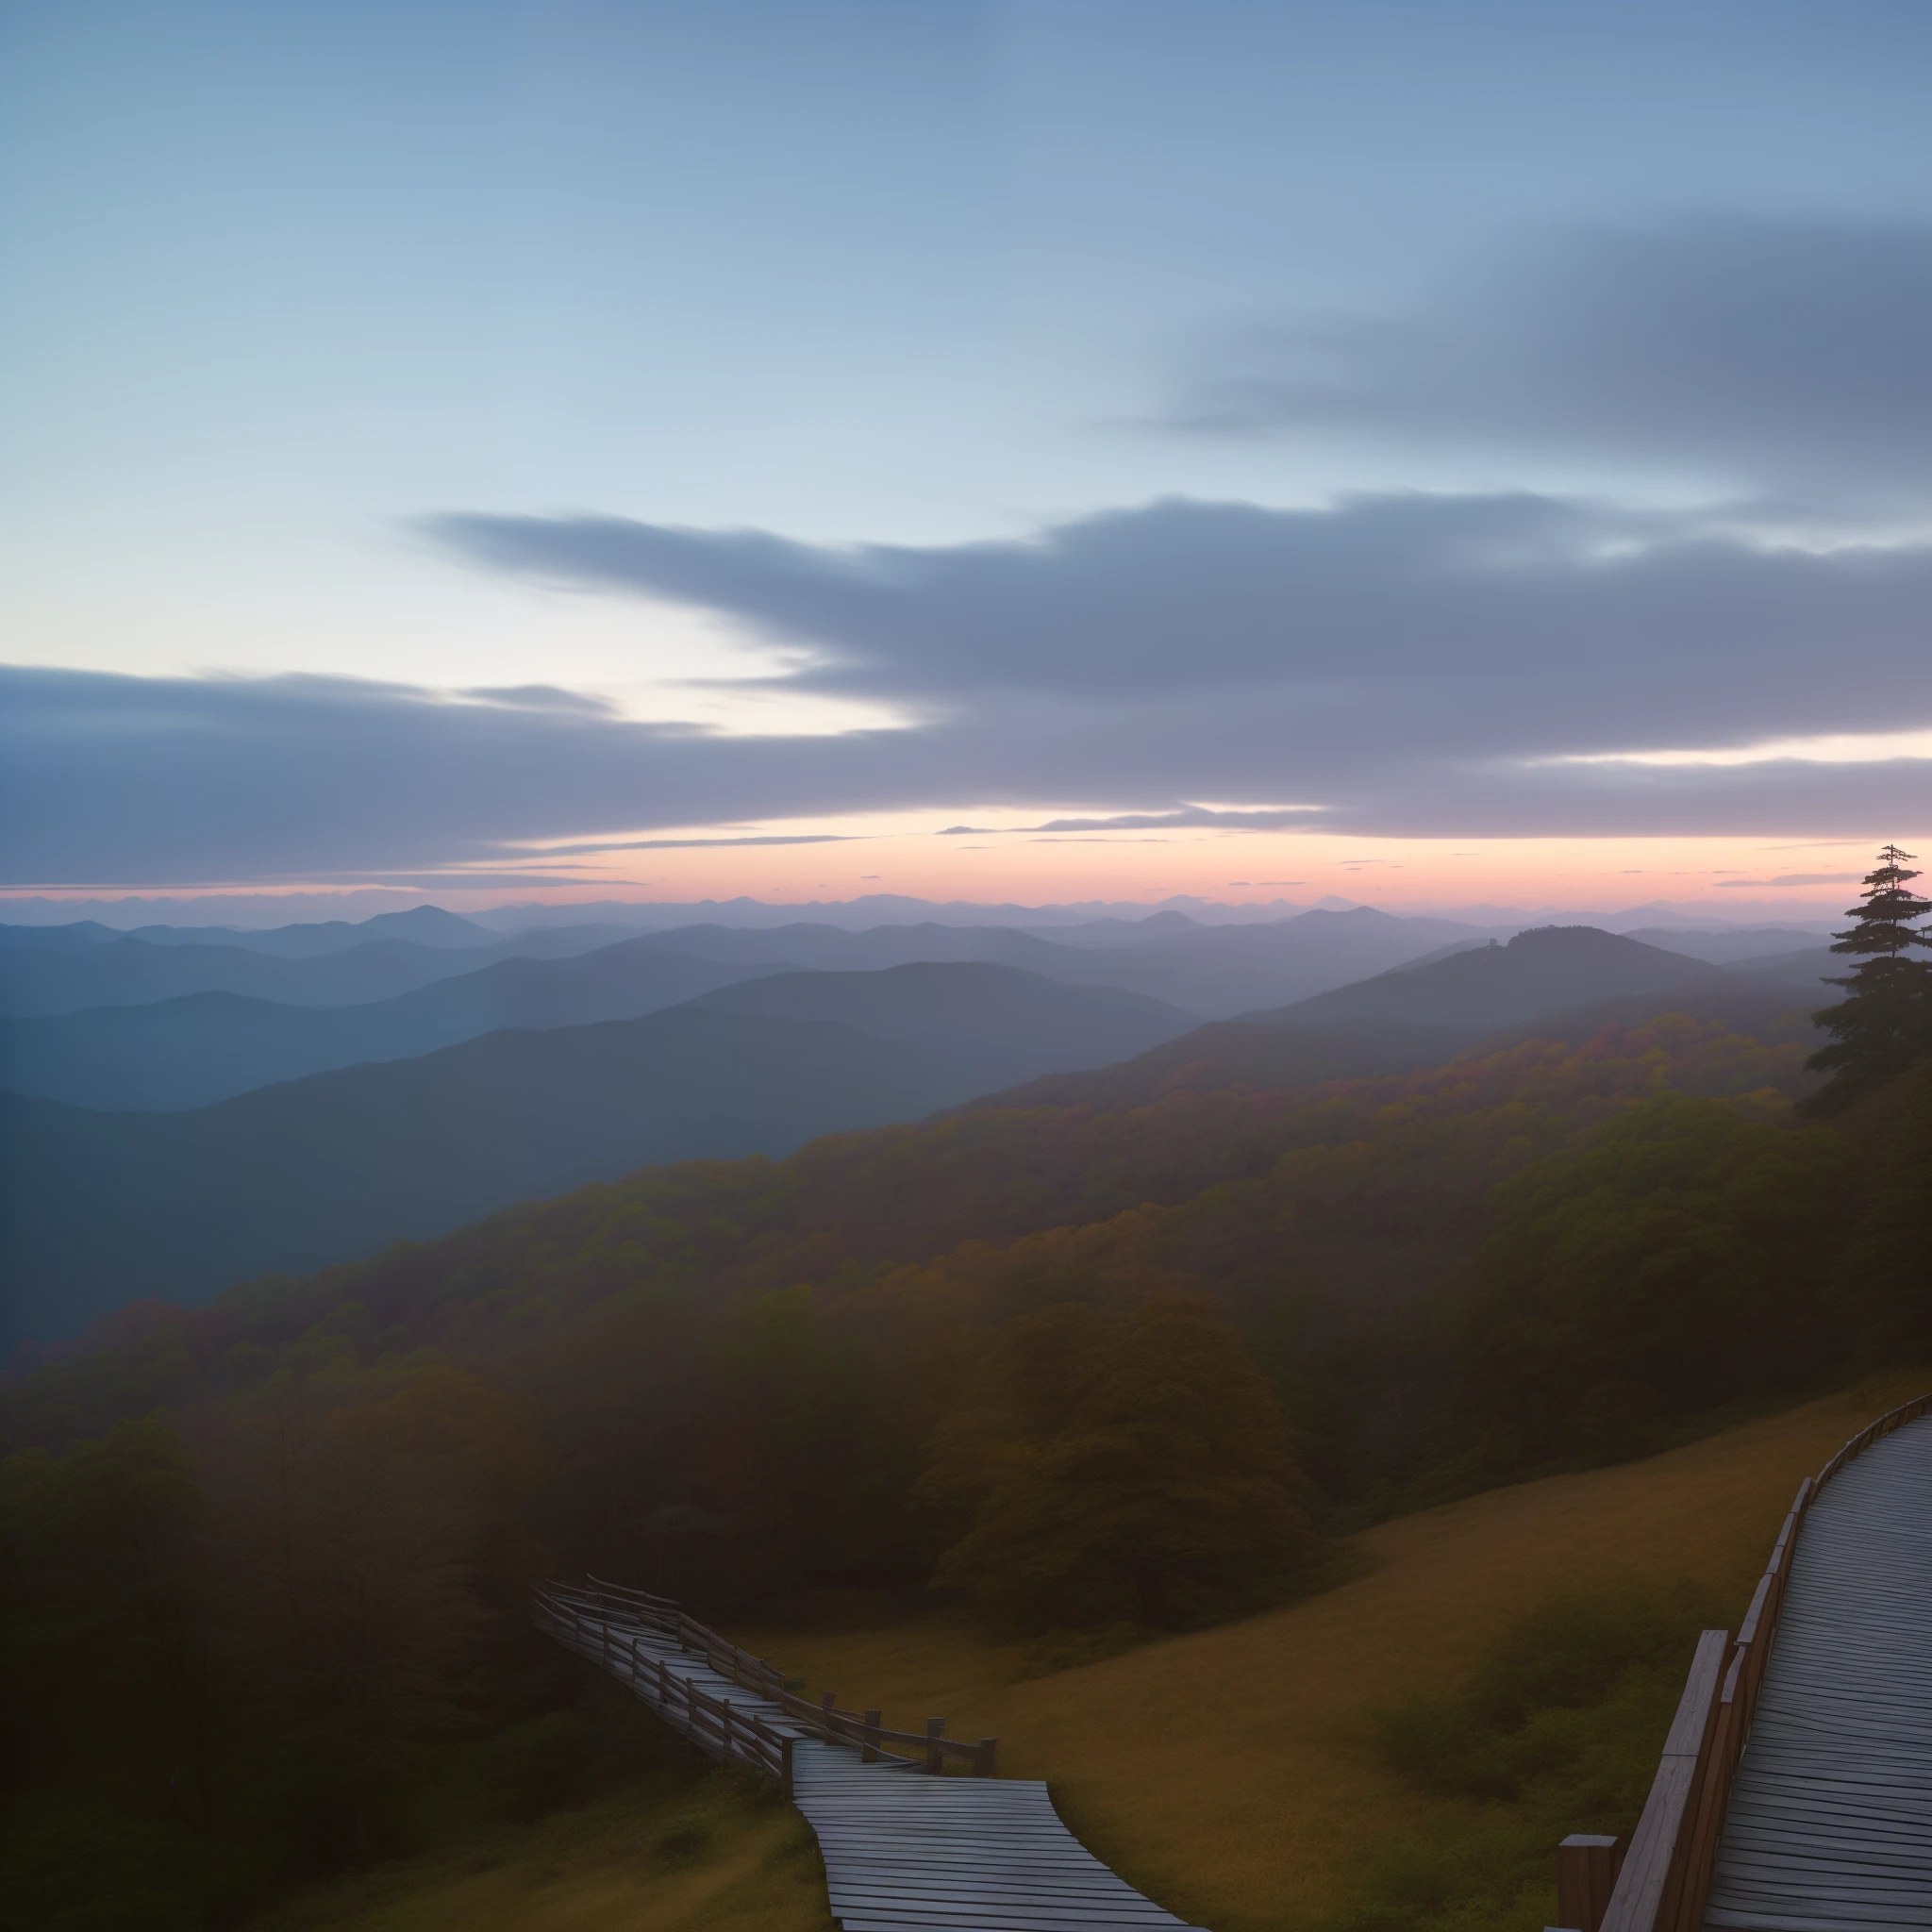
(1661, 1883)
(608, 1624)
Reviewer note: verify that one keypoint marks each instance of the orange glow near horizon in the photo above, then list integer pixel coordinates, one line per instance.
(884, 854)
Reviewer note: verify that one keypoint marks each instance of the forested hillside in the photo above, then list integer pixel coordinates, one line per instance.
(741, 1382)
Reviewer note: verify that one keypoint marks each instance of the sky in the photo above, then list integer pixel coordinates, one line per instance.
(1430, 453)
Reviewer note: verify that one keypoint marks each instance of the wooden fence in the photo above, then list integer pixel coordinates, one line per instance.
(606, 1622)
(1662, 1882)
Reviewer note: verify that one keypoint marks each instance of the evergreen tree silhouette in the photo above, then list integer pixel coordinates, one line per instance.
(1884, 1023)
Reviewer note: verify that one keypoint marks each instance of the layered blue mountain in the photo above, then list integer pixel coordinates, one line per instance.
(1541, 971)
(1738, 945)
(99, 1209)
(1556, 983)
(1212, 972)
(423, 926)
(41, 978)
(210, 1046)
(993, 1025)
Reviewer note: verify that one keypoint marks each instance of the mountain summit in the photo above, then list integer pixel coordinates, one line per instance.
(1546, 969)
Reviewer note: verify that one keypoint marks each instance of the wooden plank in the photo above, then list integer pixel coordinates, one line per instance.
(1643, 1891)
(1830, 1823)
(901, 1849)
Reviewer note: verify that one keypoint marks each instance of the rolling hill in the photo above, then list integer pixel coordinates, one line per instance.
(1546, 969)
(1764, 999)
(1247, 1052)
(97, 1209)
(423, 926)
(40, 979)
(1730, 948)
(1225, 1772)
(210, 1046)
(1212, 972)
(994, 1024)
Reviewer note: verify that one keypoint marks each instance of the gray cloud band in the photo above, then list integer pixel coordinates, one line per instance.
(1402, 664)
(1768, 354)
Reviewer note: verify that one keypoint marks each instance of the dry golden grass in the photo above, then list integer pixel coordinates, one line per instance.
(1226, 1772)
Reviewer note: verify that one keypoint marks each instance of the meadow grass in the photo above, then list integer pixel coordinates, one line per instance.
(724, 1856)
(1231, 1773)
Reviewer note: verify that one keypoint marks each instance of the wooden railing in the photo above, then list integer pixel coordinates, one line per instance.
(1662, 1882)
(607, 1623)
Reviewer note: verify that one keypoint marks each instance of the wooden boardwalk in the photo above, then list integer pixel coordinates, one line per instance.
(1830, 1827)
(1794, 1792)
(906, 1849)
(907, 1854)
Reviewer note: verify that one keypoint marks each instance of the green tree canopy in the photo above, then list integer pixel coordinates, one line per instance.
(1884, 1277)
(1121, 1471)
(1674, 1262)
(1884, 1025)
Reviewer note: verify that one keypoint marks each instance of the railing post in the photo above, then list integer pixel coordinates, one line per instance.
(827, 1704)
(1587, 1869)
(785, 1744)
(1650, 1885)
(869, 1753)
(935, 1758)
(988, 1752)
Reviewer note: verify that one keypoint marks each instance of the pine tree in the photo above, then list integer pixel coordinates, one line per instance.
(1884, 1022)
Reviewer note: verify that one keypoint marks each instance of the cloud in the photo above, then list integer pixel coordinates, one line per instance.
(1273, 819)
(1412, 624)
(537, 697)
(1402, 663)
(1770, 354)
(1284, 818)
(694, 845)
(1388, 629)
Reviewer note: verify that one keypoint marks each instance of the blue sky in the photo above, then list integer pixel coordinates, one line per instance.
(863, 418)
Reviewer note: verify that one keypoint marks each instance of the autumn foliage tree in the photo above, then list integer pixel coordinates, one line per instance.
(1134, 1470)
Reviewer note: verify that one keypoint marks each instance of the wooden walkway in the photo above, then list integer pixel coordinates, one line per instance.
(1830, 1827)
(906, 1849)
(907, 1854)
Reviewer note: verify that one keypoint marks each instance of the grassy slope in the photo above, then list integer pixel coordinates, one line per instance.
(711, 1860)
(1227, 1773)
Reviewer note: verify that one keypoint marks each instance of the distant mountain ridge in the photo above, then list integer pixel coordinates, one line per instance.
(39, 979)
(330, 1167)
(204, 1047)
(1543, 969)
(422, 925)
(994, 1024)
(1766, 999)
(100, 1208)
(1209, 970)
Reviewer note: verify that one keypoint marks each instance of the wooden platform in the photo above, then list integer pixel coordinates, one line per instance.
(1830, 1827)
